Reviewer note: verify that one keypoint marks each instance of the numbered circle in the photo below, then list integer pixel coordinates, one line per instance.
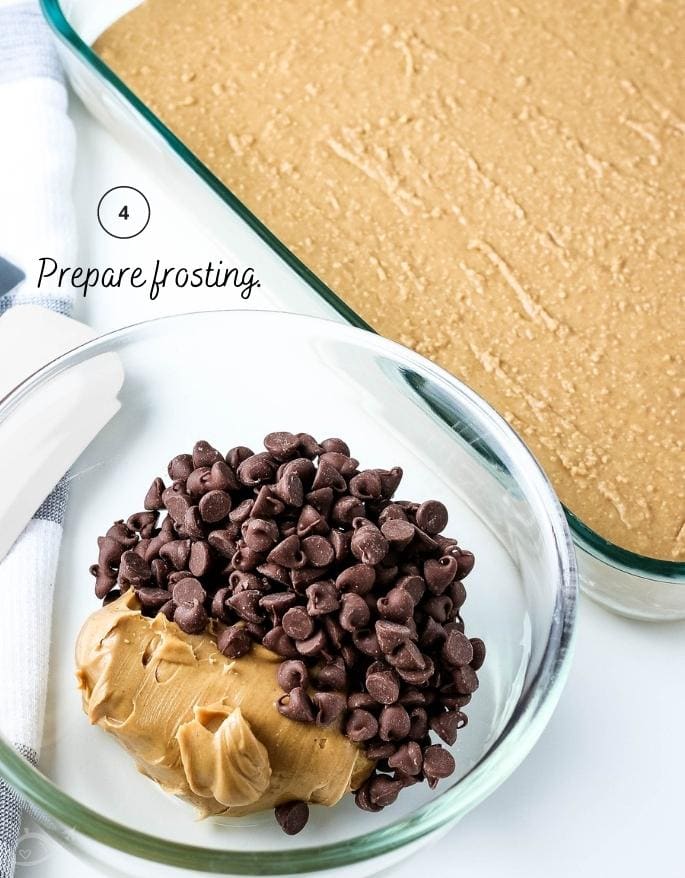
(123, 212)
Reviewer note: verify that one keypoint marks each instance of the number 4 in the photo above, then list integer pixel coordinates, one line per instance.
(123, 213)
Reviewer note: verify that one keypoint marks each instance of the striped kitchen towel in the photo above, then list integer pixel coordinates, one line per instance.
(36, 219)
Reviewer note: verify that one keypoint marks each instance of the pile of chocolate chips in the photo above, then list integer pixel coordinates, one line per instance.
(359, 593)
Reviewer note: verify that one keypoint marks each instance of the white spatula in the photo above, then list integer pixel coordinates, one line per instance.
(47, 431)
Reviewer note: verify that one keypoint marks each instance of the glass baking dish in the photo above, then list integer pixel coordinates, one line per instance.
(628, 583)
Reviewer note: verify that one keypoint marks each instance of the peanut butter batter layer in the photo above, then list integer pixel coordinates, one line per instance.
(497, 185)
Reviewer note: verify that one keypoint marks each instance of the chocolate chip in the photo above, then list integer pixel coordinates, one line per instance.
(362, 800)
(256, 470)
(438, 763)
(282, 446)
(417, 676)
(445, 725)
(235, 456)
(438, 607)
(457, 593)
(377, 749)
(246, 605)
(397, 606)
(346, 509)
(311, 522)
(466, 562)
(234, 642)
(168, 610)
(200, 560)
(318, 551)
(296, 705)
(177, 505)
(478, 653)
(291, 674)
(222, 477)
(133, 570)
(354, 612)
(327, 476)
(176, 552)
(332, 675)
(260, 534)
(187, 590)
(246, 559)
(215, 506)
(109, 556)
(369, 545)
(290, 490)
(278, 641)
(382, 685)
(407, 758)
(192, 524)
(297, 624)
(292, 817)
(110, 597)
(398, 533)
(431, 516)
(190, 618)
(418, 719)
(152, 598)
(439, 573)
(394, 723)
(364, 701)
(465, 680)
(277, 604)
(391, 635)
(219, 609)
(160, 572)
(457, 648)
(300, 466)
(322, 598)
(313, 645)
(205, 454)
(334, 632)
(366, 641)
(366, 485)
(383, 790)
(329, 707)
(180, 467)
(153, 498)
(199, 481)
(361, 726)
(288, 553)
(266, 504)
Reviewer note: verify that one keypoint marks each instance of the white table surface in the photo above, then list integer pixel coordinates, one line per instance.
(603, 793)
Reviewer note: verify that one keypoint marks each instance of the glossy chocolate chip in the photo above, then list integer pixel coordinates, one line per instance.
(431, 516)
(234, 642)
(296, 705)
(297, 623)
(291, 674)
(478, 653)
(361, 726)
(215, 506)
(329, 707)
(292, 817)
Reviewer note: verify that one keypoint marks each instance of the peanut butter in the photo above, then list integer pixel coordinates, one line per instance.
(202, 726)
(495, 184)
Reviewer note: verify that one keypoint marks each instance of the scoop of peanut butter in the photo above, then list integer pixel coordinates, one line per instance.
(203, 726)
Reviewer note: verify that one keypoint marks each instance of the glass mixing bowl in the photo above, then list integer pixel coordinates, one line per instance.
(230, 378)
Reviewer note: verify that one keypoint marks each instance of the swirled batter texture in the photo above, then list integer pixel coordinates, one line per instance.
(495, 184)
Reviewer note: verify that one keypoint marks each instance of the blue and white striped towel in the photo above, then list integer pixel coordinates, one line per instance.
(37, 148)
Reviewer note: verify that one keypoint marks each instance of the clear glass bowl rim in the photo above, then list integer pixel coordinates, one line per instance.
(588, 539)
(505, 754)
